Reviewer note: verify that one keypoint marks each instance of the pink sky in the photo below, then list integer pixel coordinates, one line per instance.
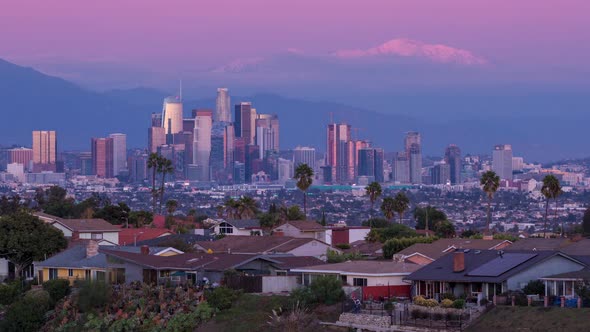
(155, 32)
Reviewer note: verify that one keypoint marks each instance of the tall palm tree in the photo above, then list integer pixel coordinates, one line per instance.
(552, 189)
(387, 207)
(248, 207)
(152, 163)
(230, 207)
(401, 204)
(373, 190)
(490, 182)
(304, 177)
(165, 167)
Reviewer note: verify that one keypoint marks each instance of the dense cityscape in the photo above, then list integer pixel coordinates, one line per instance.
(338, 166)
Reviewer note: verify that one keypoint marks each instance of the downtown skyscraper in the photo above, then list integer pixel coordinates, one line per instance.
(413, 145)
(502, 161)
(453, 159)
(370, 163)
(222, 106)
(267, 133)
(245, 122)
(202, 144)
(304, 155)
(119, 153)
(172, 117)
(102, 157)
(338, 154)
(44, 150)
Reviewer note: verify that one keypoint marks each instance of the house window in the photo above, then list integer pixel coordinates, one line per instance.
(225, 228)
(96, 236)
(70, 273)
(87, 274)
(361, 282)
(52, 274)
(164, 274)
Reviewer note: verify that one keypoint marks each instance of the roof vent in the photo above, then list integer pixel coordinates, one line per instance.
(477, 252)
(466, 250)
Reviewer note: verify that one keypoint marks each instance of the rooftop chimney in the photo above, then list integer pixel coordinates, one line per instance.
(145, 250)
(91, 249)
(458, 261)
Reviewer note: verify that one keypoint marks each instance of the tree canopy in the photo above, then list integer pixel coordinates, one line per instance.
(434, 216)
(24, 239)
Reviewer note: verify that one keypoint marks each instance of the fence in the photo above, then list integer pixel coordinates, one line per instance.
(249, 284)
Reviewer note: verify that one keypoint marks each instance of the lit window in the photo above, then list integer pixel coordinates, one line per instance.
(70, 273)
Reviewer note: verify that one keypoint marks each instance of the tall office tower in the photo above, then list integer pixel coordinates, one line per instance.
(119, 153)
(353, 149)
(245, 118)
(156, 137)
(286, 170)
(85, 163)
(102, 157)
(239, 150)
(202, 143)
(453, 159)
(222, 106)
(172, 116)
(401, 168)
(413, 144)
(239, 173)
(267, 133)
(338, 154)
(441, 173)
(156, 120)
(502, 161)
(23, 156)
(138, 167)
(222, 150)
(304, 155)
(370, 163)
(44, 150)
(253, 163)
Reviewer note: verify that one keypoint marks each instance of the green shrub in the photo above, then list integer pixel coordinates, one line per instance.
(449, 296)
(419, 300)
(459, 304)
(343, 246)
(395, 245)
(534, 287)
(9, 293)
(26, 314)
(57, 289)
(447, 303)
(327, 290)
(93, 295)
(221, 298)
(303, 296)
(189, 321)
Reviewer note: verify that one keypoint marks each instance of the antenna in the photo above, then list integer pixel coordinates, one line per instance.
(331, 117)
(180, 93)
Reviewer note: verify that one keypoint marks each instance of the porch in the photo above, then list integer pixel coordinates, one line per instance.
(478, 290)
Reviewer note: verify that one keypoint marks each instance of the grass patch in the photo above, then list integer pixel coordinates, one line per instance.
(532, 319)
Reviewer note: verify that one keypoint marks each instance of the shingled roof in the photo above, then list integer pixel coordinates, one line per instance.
(254, 244)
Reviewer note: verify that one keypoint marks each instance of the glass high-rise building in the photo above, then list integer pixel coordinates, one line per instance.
(222, 106)
(370, 163)
(245, 122)
(172, 116)
(44, 150)
(304, 155)
(338, 151)
(119, 153)
(102, 157)
(453, 159)
(267, 133)
(202, 143)
(502, 161)
(413, 145)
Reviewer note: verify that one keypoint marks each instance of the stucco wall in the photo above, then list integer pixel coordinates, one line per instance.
(356, 234)
(67, 232)
(552, 266)
(312, 248)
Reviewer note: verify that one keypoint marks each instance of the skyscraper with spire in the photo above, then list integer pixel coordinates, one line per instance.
(222, 106)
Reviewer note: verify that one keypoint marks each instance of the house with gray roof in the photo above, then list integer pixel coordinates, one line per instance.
(238, 227)
(482, 273)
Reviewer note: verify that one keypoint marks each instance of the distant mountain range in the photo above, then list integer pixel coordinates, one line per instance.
(32, 100)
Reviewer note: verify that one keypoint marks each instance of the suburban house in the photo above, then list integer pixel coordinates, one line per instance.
(426, 253)
(482, 273)
(266, 245)
(342, 234)
(302, 229)
(564, 284)
(193, 267)
(377, 279)
(83, 261)
(99, 230)
(238, 227)
(131, 236)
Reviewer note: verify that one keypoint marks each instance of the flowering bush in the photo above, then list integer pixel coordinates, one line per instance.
(447, 303)
(419, 300)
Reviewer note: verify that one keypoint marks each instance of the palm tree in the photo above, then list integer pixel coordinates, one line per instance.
(171, 206)
(304, 177)
(551, 189)
(164, 167)
(490, 182)
(387, 207)
(152, 163)
(401, 204)
(373, 190)
(248, 207)
(231, 208)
